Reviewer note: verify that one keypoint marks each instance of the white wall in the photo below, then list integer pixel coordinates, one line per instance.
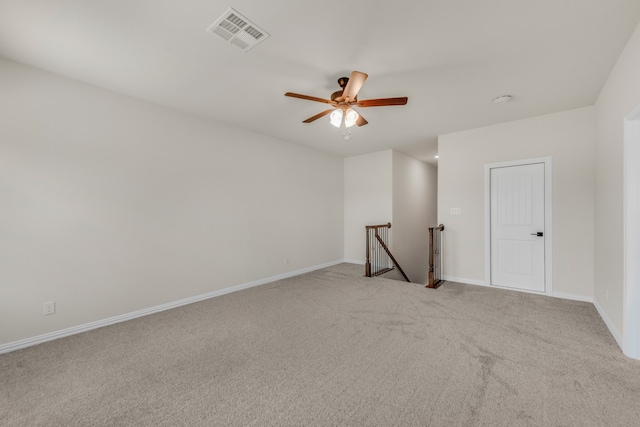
(111, 205)
(414, 211)
(619, 96)
(568, 137)
(368, 184)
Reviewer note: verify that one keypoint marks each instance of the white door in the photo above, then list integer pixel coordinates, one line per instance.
(517, 227)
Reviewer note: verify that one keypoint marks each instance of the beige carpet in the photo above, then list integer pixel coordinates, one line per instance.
(332, 348)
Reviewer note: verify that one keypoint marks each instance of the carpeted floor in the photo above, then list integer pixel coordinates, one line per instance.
(332, 348)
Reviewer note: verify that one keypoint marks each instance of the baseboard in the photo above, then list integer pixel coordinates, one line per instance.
(484, 283)
(28, 342)
(607, 321)
(562, 295)
(464, 280)
(573, 297)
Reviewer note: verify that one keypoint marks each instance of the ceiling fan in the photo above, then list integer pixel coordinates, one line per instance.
(342, 115)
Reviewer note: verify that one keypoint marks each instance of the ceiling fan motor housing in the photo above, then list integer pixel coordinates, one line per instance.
(342, 81)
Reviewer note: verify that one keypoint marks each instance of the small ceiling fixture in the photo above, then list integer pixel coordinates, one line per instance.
(502, 99)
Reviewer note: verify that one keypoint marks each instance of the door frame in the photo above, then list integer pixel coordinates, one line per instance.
(631, 233)
(548, 209)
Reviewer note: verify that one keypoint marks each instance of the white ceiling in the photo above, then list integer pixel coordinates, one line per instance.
(450, 57)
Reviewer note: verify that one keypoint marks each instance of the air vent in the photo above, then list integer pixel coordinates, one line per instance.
(238, 30)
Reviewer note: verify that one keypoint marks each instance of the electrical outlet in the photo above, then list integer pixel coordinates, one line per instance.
(286, 260)
(48, 308)
(454, 211)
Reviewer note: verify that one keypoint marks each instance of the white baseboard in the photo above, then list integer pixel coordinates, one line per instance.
(573, 297)
(28, 342)
(562, 295)
(484, 283)
(607, 321)
(464, 280)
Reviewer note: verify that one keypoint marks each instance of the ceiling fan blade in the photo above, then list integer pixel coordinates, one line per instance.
(382, 102)
(309, 98)
(361, 120)
(354, 84)
(317, 116)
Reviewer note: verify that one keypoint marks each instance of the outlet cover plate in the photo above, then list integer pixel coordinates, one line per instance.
(48, 308)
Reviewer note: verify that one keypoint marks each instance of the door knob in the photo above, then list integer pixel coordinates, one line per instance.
(539, 234)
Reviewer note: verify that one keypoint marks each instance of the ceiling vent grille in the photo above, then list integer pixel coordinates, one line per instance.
(238, 30)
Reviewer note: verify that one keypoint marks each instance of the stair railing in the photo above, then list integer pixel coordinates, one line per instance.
(379, 257)
(435, 260)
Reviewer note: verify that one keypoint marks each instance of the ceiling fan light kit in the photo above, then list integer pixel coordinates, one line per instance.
(342, 115)
(350, 117)
(344, 120)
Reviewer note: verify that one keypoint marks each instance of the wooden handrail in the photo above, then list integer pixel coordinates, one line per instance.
(387, 225)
